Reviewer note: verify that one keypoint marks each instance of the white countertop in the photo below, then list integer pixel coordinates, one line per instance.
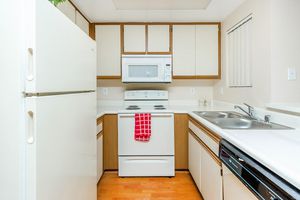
(278, 150)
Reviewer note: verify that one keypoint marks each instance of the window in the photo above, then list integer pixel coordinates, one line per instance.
(239, 51)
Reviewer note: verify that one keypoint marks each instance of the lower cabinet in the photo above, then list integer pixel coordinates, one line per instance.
(99, 156)
(195, 160)
(99, 148)
(234, 189)
(211, 177)
(205, 169)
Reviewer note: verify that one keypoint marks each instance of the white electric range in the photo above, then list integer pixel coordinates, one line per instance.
(152, 158)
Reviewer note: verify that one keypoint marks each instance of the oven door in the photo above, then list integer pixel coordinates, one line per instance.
(162, 136)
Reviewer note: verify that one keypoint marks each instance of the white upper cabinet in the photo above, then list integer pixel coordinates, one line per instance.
(196, 51)
(207, 50)
(108, 50)
(82, 22)
(134, 38)
(68, 9)
(184, 52)
(158, 38)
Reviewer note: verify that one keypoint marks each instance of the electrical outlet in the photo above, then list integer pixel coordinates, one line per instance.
(292, 74)
(193, 91)
(221, 91)
(104, 91)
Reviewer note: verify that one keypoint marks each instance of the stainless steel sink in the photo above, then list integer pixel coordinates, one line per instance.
(218, 114)
(234, 120)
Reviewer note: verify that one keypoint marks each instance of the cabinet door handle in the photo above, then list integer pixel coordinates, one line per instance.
(30, 126)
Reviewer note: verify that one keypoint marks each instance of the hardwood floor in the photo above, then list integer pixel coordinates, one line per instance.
(111, 187)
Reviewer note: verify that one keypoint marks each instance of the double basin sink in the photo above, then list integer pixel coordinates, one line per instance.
(234, 120)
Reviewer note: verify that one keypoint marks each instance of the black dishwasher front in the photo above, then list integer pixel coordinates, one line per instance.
(261, 181)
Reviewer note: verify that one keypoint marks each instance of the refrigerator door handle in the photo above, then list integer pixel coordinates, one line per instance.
(30, 73)
(30, 126)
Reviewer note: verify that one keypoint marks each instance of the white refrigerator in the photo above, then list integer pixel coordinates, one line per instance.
(57, 144)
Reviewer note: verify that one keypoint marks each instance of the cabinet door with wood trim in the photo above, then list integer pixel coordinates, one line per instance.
(68, 9)
(195, 159)
(181, 141)
(134, 37)
(207, 50)
(158, 39)
(110, 142)
(99, 148)
(99, 156)
(108, 40)
(184, 50)
(211, 178)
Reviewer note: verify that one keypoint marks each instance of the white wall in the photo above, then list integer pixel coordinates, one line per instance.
(178, 90)
(11, 105)
(276, 47)
(259, 94)
(285, 50)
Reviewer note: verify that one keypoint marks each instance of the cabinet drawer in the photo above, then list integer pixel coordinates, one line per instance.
(211, 142)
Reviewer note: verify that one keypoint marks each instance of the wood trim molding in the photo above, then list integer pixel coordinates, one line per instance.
(212, 154)
(197, 77)
(108, 77)
(206, 130)
(92, 31)
(100, 134)
(100, 120)
(157, 23)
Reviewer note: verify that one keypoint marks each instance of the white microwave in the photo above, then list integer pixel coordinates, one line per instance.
(146, 68)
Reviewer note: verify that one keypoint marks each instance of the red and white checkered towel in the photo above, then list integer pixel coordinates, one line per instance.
(142, 130)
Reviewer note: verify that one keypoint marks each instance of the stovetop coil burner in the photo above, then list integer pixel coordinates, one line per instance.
(133, 107)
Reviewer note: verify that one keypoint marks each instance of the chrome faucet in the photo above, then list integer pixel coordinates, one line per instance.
(249, 112)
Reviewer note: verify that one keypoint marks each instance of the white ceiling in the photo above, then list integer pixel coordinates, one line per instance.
(106, 11)
(161, 4)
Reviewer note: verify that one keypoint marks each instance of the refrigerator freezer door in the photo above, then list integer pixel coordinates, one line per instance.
(61, 147)
(60, 56)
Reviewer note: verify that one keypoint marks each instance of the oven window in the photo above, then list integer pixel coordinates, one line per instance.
(143, 71)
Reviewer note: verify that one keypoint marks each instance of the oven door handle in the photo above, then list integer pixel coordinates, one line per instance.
(152, 115)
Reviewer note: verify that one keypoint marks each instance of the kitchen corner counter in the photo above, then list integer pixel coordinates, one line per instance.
(179, 109)
(278, 150)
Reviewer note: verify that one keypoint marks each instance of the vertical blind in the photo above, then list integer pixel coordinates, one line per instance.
(239, 62)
